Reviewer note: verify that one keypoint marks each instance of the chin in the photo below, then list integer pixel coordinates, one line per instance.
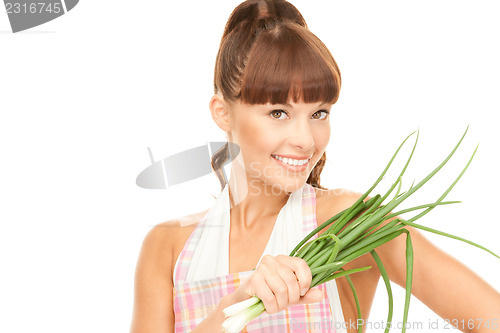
(290, 186)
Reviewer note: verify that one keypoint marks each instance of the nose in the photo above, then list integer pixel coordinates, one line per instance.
(302, 135)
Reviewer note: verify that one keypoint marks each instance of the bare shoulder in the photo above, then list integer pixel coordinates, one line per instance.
(173, 229)
(337, 194)
(331, 201)
(167, 239)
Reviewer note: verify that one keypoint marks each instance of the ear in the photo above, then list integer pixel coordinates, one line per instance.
(220, 112)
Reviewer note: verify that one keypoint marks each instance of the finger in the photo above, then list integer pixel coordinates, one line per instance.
(301, 270)
(264, 292)
(279, 289)
(250, 292)
(290, 279)
(314, 295)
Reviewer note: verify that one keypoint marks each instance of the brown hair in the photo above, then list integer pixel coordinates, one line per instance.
(268, 55)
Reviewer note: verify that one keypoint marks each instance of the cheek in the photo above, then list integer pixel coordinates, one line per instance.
(245, 133)
(252, 135)
(322, 136)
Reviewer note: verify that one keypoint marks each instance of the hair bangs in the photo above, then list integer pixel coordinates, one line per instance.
(290, 63)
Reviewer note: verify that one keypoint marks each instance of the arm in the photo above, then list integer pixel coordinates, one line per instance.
(153, 310)
(445, 285)
(441, 282)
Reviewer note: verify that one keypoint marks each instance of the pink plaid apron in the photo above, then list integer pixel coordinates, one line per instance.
(195, 300)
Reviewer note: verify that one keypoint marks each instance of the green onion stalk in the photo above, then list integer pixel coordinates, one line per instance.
(358, 230)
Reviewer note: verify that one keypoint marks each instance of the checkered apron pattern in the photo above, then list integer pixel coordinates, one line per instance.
(195, 300)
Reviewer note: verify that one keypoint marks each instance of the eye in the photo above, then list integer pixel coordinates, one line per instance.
(278, 114)
(321, 114)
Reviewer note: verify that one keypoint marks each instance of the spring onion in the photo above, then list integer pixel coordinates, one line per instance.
(356, 231)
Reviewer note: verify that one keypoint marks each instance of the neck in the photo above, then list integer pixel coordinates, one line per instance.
(252, 201)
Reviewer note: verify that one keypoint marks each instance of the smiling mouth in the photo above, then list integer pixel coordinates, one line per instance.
(291, 161)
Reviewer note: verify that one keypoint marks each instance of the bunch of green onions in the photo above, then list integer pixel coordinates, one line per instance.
(356, 231)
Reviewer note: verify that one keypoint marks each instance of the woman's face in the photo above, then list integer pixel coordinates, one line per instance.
(280, 144)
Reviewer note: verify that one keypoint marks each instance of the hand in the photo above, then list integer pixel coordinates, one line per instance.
(280, 282)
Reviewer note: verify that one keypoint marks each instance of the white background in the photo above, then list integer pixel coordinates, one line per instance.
(83, 96)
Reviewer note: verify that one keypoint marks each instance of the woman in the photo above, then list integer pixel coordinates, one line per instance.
(275, 83)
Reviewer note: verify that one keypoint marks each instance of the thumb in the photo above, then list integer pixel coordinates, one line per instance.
(312, 296)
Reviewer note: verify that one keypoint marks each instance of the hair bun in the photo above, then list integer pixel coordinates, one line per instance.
(258, 12)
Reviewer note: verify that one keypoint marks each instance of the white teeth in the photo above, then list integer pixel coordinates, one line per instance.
(290, 161)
